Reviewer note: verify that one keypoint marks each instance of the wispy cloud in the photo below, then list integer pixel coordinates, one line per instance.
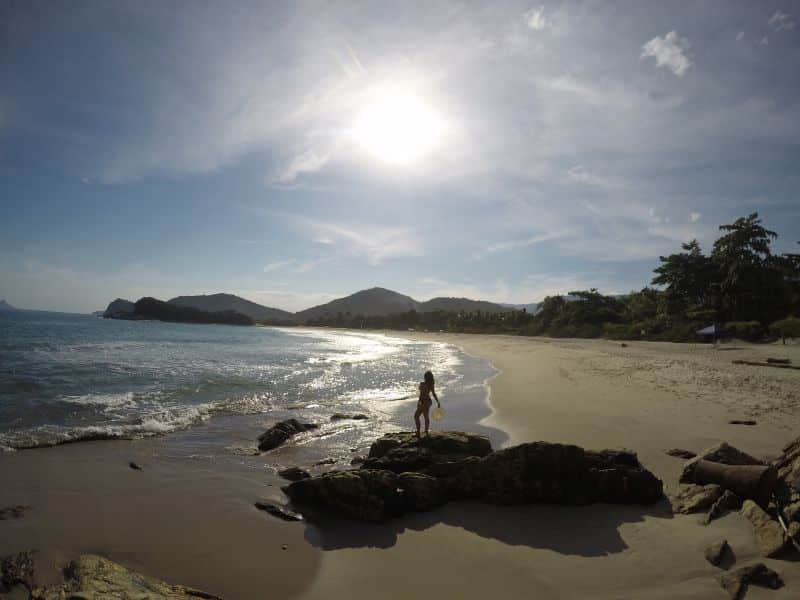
(535, 18)
(781, 21)
(694, 217)
(669, 51)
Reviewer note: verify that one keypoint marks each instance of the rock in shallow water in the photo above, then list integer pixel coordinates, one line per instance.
(280, 432)
(93, 577)
(278, 511)
(294, 474)
(404, 474)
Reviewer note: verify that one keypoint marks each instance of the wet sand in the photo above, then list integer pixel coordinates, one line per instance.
(195, 524)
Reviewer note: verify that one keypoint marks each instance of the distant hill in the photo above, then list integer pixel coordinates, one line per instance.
(229, 302)
(6, 306)
(380, 301)
(119, 308)
(150, 308)
(462, 304)
(374, 301)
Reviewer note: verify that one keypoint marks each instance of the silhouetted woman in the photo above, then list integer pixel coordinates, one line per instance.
(425, 402)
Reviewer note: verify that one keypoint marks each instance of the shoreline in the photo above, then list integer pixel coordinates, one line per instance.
(185, 523)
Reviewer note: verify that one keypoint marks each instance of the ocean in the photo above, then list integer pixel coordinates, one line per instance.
(211, 389)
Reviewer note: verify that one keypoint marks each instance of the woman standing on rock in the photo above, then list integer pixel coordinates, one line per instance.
(425, 402)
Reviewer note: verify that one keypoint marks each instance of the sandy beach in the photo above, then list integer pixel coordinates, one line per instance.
(198, 526)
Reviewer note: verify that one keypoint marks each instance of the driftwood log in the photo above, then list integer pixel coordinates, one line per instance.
(753, 482)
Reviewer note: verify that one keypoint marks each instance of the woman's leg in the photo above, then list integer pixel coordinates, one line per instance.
(416, 417)
(427, 416)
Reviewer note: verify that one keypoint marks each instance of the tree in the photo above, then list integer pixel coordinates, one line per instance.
(690, 279)
(751, 283)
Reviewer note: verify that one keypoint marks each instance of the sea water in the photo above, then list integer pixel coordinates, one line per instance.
(66, 378)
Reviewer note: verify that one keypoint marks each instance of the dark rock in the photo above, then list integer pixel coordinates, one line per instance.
(17, 569)
(680, 453)
(721, 453)
(284, 547)
(421, 474)
(421, 492)
(95, 577)
(134, 466)
(357, 460)
(770, 536)
(280, 432)
(788, 465)
(278, 511)
(742, 422)
(294, 474)
(13, 512)
(719, 554)
(325, 461)
(693, 498)
(348, 416)
(366, 494)
(735, 582)
(727, 502)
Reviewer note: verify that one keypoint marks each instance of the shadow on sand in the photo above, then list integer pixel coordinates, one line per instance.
(577, 530)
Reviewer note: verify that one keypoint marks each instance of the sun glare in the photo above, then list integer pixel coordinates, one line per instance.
(398, 129)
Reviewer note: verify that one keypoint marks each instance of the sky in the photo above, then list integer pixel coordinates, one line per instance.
(294, 152)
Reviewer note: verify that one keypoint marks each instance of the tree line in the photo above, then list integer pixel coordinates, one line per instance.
(740, 284)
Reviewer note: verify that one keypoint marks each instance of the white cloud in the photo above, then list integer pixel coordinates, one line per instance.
(536, 19)
(694, 217)
(670, 52)
(373, 242)
(307, 162)
(518, 243)
(297, 266)
(277, 265)
(781, 21)
(739, 36)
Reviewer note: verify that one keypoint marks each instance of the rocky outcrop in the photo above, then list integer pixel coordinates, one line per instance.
(94, 577)
(770, 536)
(680, 453)
(404, 474)
(294, 474)
(735, 582)
(17, 569)
(348, 417)
(719, 554)
(721, 453)
(724, 504)
(278, 511)
(13, 512)
(119, 308)
(693, 498)
(280, 432)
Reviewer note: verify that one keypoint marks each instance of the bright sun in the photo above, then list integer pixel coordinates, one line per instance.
(398, 128)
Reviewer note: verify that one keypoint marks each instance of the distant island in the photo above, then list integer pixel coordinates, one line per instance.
(5, 306)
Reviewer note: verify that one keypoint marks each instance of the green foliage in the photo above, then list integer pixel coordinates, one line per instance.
(745, 330)
(150, 308)
(786, 328)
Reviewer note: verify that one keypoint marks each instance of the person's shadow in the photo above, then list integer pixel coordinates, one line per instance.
(591, 530)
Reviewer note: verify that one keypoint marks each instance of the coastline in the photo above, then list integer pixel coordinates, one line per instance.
(189, 524)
